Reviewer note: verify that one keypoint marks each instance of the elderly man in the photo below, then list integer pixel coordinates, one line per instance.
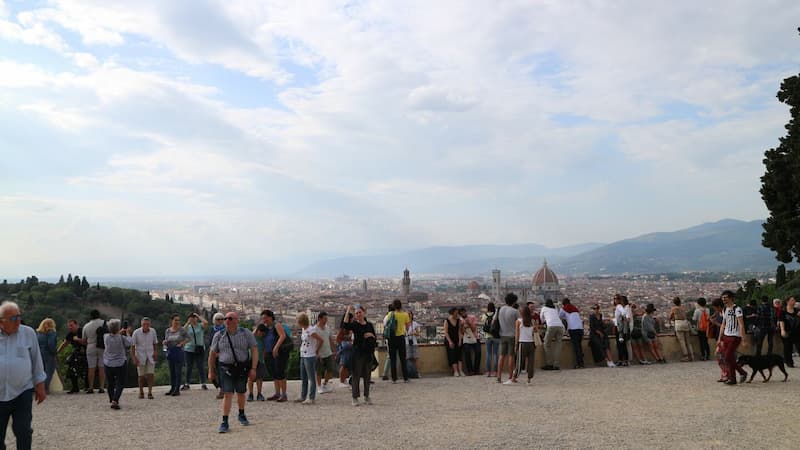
(144, 353)
(232, 348)
(21, 375)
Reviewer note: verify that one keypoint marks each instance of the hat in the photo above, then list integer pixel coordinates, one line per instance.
(649, 308)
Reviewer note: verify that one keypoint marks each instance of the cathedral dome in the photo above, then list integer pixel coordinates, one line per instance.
(544, 276)
(473, 285)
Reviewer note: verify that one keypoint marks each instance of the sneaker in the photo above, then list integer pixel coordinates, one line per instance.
(299, 400)
(367, 401)
(223, 427)
(273, 397)
(101, 391)
(308, 401)
(355, 402)
(342, 385)
(249, 397)
(510, 382)
(611, 364)
(461, 374)
(282, 399)
(243, 420)
(204, 387)
(406, 381)
(260, 398)
(185, 387)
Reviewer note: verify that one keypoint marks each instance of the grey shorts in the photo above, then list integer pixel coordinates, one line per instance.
(507, 346)
(326, 363)
(94, 356)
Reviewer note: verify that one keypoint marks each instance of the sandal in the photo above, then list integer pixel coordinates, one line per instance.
(149, 395)
(141, 394)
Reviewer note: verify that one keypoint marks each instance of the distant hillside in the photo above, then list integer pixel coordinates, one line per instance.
(724, 246)
(461, 260)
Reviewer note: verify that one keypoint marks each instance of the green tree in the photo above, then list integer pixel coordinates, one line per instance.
(69, 279)
(780, 275)
(61, 280)
(780, 185)
(76, 285)
(84, 284)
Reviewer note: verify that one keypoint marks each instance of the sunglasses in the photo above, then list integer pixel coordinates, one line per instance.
(231, 318)
(16, 318)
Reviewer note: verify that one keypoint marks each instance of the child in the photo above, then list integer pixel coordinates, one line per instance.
(261, 371)
(309, 351)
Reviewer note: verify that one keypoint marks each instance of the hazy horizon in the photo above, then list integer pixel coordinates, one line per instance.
(213, 137)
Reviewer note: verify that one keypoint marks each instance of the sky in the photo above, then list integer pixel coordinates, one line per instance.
(242, 137)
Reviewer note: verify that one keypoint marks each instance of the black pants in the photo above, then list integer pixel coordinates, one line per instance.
(116, 381)
(576, 337)
(362, 363)
(195, 359)
(20, 411)
(759, 338)
(76, 368)
(789, 344)
(622, 348)
(702, 339)
(397, 346)
(472, 357)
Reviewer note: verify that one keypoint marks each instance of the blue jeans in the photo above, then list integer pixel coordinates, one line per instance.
(20, 411)
(492, 351)
(175, 368)
(195, 359)
(116, 381)
(308, 375)
(49, 362)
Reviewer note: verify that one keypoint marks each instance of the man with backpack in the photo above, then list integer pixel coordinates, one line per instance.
(507, 329)
(396, 328)
(492, 341)
(700, 318)
(93, 333)
(765, 324)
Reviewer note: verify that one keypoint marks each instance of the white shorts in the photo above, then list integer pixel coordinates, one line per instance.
(148, 368)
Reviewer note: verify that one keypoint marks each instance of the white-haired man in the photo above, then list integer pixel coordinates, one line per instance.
(144, 353)
(21, 375)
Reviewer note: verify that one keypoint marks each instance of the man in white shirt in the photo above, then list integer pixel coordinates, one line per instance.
(94, 354)
(552, 336)
(144, 352)
(572, 316)
(730, 336)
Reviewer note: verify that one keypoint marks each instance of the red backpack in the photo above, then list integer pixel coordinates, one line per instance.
(702, 324)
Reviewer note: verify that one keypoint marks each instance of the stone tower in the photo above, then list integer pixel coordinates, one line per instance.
(406, 283)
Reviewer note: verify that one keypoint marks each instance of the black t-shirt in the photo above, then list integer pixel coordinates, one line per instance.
(360, 343)
(76, 346)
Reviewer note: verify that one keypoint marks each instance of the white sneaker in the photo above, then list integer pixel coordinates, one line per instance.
(509, 382)
(461, 374)
(455, 374)
(367, 401)
(325, 389)
(342, 385)
(611, 364)
(355, 402)
(308, 401)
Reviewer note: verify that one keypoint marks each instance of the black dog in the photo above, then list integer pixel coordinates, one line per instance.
(759, 363)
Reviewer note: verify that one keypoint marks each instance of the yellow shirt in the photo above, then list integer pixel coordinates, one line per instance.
(402, 318)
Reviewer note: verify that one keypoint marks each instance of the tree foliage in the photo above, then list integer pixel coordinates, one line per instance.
(780, 184)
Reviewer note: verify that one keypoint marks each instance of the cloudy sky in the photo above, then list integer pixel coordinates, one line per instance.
(242, 137)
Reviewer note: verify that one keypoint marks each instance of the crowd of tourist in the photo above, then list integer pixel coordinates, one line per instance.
(239, 360)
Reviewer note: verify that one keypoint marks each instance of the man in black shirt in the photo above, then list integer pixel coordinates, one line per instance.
(76, 361)
(764, 325)
(364, 343)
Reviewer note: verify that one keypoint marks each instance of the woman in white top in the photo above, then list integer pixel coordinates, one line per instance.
(412, 345)
(524, 343)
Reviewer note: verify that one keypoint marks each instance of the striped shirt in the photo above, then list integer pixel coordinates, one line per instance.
(243, 340)
(731, 321)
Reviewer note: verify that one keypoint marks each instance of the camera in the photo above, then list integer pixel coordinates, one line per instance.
(125, 325)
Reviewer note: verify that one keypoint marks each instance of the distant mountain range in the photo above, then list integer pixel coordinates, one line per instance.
(725, 246)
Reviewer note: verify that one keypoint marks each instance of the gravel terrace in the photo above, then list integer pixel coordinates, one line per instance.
(678, 405)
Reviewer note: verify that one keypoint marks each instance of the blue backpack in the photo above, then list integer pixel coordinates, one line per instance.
(390, 330)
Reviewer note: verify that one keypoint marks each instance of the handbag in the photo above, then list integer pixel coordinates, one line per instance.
(237, 369)
(198, 349)
(537, 340)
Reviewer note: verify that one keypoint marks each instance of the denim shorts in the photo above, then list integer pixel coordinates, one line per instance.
(230, 384)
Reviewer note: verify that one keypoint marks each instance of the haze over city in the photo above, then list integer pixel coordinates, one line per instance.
(197, 137)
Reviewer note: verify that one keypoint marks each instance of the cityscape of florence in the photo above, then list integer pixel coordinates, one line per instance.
(369, 224)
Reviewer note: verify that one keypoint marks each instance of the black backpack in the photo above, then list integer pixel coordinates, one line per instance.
(101, 331)
(487, 325)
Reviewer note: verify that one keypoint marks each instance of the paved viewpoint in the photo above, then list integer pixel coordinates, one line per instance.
(678, 405)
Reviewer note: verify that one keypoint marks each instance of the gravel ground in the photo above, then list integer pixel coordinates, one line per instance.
(678, 405)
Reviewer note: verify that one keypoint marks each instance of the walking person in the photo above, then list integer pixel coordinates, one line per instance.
(144, 351)
(364, 343)
(21, 378)
(175, 337)
(701, 320)
(525, 328)
(309, 351)
(731, 334)
(598, 338)
(195, 349)
(765, 324)
(453, 335)
(76, 361)
(506, 326)
(46, 337)
(552, 336)
(115, 358)
(682, 329)
(790, 330)
(94, 353)
(233, 348)
(397, 342)
(572, 316)
(492, 341)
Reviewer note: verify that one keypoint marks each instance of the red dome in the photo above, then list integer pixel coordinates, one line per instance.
(473, 285)
(544, 276)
